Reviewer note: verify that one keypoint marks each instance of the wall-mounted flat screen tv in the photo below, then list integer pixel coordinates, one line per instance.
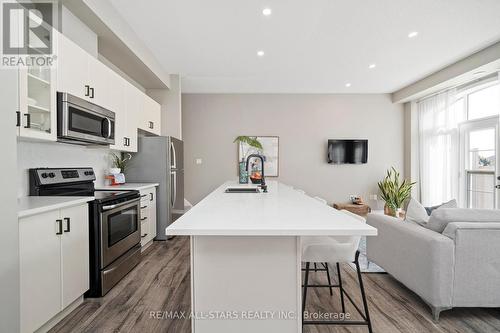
(347, 151)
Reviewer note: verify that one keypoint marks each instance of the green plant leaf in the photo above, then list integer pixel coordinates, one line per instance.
(393, 190)
(252, 141)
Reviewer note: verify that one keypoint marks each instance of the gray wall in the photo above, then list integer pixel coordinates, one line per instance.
(304, 123)
(9, 227)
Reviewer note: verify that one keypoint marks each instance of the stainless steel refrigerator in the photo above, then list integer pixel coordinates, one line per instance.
(160, 159)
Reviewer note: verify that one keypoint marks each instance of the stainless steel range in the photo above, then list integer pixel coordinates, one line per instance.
(114, 226)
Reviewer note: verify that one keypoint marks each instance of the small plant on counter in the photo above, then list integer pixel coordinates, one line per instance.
(394, 191)
(251, 141)
(120, 161)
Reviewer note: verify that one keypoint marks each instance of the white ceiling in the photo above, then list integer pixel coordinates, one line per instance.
(310, 46)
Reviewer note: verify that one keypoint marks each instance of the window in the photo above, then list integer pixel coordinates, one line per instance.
(482, 149)
(484, 102)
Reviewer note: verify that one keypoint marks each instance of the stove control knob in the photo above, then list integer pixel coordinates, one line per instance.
(44, 175)
(52, 175)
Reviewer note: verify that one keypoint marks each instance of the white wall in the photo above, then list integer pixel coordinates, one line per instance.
(304, 123)
(9, 226)
(171, 111)
(53, 155)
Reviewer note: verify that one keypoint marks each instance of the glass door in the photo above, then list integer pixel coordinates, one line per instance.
(37, 95)
(478, 163)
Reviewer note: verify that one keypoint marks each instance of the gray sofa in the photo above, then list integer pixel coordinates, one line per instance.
(459, 267)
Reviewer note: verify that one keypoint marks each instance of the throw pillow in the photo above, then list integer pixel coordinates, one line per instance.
(450, 204)
(416, 213)
(442, 216)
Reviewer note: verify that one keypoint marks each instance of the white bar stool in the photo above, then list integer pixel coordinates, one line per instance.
(339, 249)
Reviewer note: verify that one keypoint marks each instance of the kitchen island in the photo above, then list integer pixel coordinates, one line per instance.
(246, 256)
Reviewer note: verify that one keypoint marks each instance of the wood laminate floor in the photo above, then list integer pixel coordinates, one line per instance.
(161, 283)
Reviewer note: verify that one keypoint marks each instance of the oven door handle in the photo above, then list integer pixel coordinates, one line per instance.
(120, 204)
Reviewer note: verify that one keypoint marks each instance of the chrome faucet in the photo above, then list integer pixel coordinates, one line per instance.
(262, 185)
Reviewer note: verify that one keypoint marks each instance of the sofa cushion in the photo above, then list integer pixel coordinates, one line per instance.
(416, 213)
(441, 217)
(450, 204)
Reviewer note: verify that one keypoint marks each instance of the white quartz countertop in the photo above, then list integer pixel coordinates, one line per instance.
(280, 212)
(27, 206)
(128, 186)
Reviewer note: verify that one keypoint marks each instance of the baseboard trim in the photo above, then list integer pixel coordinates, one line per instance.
(60, 316)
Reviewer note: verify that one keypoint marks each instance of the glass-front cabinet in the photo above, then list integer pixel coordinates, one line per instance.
(37, 103)
(36, 117)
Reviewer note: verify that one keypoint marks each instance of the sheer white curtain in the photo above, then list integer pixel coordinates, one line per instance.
(438, 120)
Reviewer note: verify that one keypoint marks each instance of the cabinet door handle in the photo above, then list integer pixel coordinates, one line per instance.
(151, 125)
(87, 90)
(28, 120)
(68, 224)
(151, 197)
(59, 227)
(144, 219)
(91, 92)
(18, 118)
(144, 207)
(144, 235)
(128, 142)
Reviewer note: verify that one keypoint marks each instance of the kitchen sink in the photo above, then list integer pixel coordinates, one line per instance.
(242, 190)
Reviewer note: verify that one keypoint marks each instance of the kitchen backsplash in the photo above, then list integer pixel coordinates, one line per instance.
(39, 155)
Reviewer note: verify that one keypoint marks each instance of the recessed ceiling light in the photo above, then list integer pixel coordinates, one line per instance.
(347, 85)
(266, 11)
(413, 34)
(260, 53)
(372, 66)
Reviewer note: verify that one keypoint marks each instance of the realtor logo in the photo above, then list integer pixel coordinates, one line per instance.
(27, 33)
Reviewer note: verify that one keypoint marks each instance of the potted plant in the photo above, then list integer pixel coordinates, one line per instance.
(119, 162)
(252, 142)
(394, 192)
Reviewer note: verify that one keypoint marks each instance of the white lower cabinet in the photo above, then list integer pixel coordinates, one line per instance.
(148, 215)
(75, 253)
(54, 263)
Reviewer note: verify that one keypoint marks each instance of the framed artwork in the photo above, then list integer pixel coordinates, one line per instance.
(270, 151)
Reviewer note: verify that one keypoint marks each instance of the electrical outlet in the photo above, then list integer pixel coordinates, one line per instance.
(198, 161)
(373, 197)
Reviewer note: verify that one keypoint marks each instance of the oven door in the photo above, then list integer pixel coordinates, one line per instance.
(120, 230)
(80, 120)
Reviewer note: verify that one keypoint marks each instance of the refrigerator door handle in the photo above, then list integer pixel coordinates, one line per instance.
(173, 156)
(174, 188)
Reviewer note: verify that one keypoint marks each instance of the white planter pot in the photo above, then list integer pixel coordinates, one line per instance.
(114, 171)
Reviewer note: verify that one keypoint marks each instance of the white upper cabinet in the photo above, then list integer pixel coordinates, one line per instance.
(134, 107)
(150, 119)
(126, 119)
(72, 69)
(80, 74)
(106, 87)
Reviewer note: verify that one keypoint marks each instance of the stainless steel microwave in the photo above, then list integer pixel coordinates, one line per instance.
(82, 122)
